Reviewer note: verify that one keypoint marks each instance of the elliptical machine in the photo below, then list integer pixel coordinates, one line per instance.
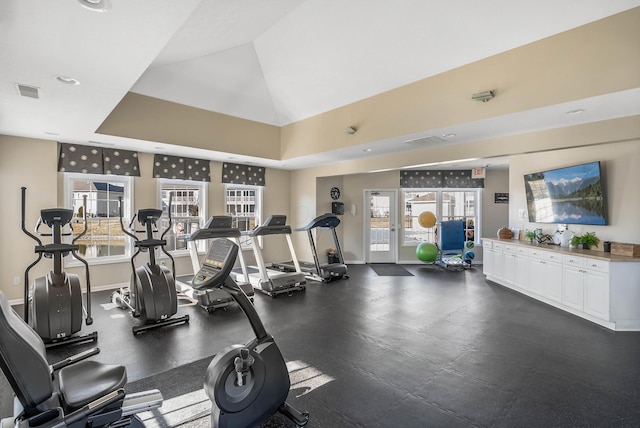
(151, 295)
(53, 303)
(245, 383)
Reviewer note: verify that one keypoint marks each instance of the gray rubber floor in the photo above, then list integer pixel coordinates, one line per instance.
(439, 348)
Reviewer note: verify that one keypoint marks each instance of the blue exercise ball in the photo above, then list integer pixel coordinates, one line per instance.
(469, 255)
(427, 252)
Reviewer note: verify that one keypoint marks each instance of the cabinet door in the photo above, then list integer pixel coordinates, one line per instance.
(537, 275)
(522, 266)
(596, 294)
(498, 264)
(573, 287)
(553, 281)
(487, 261)
(508, 267)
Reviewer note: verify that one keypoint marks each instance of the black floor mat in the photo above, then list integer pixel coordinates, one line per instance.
(390, 270)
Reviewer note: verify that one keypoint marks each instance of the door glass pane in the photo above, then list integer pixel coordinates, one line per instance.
(380, 208)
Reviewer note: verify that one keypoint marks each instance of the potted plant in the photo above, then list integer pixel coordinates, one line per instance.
(585, 241)
(530, 235)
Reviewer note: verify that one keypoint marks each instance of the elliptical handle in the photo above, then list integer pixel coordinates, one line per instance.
(173, 263)
(24, 229)
(135, 238)
(84, 217)
(168, 215)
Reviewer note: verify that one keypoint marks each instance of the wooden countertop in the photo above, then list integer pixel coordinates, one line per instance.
(594, 254)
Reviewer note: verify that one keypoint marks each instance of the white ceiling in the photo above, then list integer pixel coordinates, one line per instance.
(276, 61)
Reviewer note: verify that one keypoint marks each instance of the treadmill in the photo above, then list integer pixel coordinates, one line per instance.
(316, 270)
(215, 298)
(274, 281)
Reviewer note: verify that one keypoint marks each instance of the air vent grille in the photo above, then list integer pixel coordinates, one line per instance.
(426, 141)
(28, 91)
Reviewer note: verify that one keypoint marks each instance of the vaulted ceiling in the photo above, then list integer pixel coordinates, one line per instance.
(275, 62)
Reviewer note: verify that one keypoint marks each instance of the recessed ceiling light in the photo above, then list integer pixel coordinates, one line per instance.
(366, 150)
(448, 135)
(96, 5)
(67, 80)
(575, 112)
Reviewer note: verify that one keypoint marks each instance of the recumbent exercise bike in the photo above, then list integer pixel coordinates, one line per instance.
(74, 393)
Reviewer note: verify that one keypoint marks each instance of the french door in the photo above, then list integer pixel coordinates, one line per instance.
(380, 226)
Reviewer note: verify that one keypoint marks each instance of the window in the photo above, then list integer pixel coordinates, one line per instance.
(244, 204)
(446, 204)
(104, 238)
(188, 211)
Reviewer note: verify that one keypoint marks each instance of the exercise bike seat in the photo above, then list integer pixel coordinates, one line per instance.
(85, 381)
(23, 361)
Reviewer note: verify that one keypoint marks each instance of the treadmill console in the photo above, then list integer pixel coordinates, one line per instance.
(275, 220)
(217, 264)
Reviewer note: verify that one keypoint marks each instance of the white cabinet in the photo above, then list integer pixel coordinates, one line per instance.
(596, 289)
(585, 285)
(553, 276)
(515, 265)
(498, 261)
(573, 287)
(603, 289)
(487, 258)
(536, 272)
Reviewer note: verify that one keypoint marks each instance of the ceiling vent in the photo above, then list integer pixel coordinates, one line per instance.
(426, 141)
(28, 91)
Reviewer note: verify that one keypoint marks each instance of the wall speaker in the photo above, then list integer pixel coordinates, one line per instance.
(337, 208)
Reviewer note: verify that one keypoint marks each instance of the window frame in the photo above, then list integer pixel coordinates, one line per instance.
(127, 182)
(477, 219)
(202, 209)
(245, 243)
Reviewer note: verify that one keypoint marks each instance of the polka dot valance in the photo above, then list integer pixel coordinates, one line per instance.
(427, 179)
(234, 173)
(97, 160)
(175, 167)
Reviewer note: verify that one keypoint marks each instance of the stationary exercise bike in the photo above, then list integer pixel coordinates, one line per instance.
(151, 295)
(246, 383)
(53, 303)
(73, 393)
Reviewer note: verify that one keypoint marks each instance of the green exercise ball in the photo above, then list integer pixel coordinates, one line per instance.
(469, 244)
(427, 252)
(427, 219)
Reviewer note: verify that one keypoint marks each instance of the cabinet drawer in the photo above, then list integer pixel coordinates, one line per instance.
(498, 246)
(487, 244)
(550, 255)
(517, 249)
(569, 260)
(539, 254)
(595, 264)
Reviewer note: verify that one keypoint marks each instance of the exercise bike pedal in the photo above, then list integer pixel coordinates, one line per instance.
(299, 418)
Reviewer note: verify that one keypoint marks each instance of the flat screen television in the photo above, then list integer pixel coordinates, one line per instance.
(571, 195)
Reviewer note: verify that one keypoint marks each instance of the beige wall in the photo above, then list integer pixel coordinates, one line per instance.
(591, 60)
(33, 164)
(29, 163)
(151, 119)
(351, 229)
(619, 162)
